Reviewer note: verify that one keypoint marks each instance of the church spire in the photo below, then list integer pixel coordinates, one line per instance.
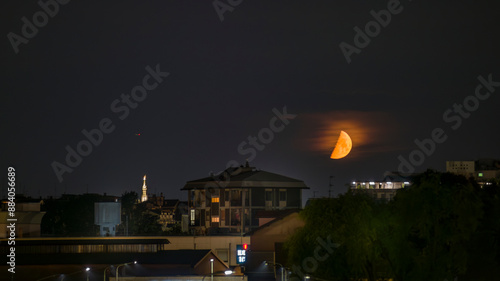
(144, 196)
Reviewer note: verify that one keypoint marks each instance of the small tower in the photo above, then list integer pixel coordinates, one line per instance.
(144, 196)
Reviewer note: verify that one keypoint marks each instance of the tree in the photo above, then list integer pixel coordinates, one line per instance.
(353, 222)
(433, 220)
(426, 233)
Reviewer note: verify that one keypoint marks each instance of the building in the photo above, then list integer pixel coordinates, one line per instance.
(229, 202)
(28, 215)
(57, 258)
(107, 215)
(384, 189)
(484, 171)
(266, 243)
(463, 168)
(144, 196)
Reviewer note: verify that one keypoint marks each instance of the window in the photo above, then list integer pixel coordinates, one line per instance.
(215, 199)
(226, 195)
(282, 195)
(223, 254)
(215, 219)
(235, 198)
(193, 217)
(269, 195)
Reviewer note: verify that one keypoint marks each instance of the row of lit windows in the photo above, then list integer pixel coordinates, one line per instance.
(55, 249)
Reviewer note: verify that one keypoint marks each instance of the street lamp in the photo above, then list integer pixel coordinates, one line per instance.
(281, 266)
(87, 270)
(105, 272)
(134, 262)
(307, 277)
(211, 269)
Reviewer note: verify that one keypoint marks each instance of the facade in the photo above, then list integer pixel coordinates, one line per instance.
(266, 244)
(384, 189)
(463, 168)
(28, 215)
(107, 215)
(229, 202)
(483, 170)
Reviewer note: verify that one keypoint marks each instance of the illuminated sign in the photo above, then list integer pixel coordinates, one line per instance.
(241, 253)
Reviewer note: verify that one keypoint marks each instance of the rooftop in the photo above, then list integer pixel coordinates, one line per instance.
(245, 177)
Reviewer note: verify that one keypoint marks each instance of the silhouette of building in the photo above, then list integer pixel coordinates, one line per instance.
(229, 202)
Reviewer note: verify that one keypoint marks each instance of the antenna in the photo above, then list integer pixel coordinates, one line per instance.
(330, 185)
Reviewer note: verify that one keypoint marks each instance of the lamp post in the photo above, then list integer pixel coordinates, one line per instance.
(134, 262)
(211, 269)
(87, 270)
(282, 269)
(105, 272)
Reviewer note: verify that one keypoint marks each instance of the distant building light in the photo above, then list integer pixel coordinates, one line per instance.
(406, 182)
(389, 182)
(353, 182)
(228, 272)
(372, 183)
(480, 174)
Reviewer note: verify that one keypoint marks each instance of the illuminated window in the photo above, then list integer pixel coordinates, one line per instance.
(480, 174)
(215, 199)
(215, 219)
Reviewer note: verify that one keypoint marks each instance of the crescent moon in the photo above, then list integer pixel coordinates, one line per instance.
(343, 146)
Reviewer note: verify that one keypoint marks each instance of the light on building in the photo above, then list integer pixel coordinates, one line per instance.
(372, 183)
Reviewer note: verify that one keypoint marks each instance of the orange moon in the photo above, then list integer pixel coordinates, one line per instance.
(343, 146)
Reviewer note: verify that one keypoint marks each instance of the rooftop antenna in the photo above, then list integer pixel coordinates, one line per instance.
(330, 185)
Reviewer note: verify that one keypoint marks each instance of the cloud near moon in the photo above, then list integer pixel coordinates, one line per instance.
(370, 131)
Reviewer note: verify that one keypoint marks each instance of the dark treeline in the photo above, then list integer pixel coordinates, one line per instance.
(440, 228)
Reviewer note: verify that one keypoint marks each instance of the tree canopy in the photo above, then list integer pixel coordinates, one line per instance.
(432, 230)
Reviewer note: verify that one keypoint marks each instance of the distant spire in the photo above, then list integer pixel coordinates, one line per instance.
(144, 196)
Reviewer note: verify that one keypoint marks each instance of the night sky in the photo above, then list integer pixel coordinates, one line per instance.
(228, 78)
